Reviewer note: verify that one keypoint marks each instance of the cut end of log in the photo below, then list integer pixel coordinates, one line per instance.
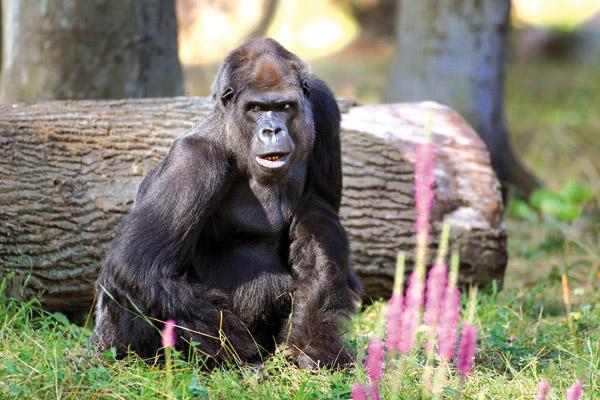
(378, 208)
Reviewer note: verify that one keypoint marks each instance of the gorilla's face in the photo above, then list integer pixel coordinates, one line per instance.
(270, 121)
(271, 113)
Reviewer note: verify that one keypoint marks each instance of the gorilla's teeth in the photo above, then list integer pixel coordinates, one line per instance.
(272, 160)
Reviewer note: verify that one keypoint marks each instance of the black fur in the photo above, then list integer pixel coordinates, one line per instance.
(243, 258)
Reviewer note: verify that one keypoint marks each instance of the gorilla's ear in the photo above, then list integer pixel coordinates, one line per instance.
(305, 88)
(227, 95)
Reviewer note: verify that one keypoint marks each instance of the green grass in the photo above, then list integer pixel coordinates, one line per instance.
(552, 113)
(523, 337)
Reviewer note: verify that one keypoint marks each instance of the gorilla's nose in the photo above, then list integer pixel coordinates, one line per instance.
(270, 133)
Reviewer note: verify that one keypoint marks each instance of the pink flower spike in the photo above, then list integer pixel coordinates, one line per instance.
(411, 313)
(358, 392)
(374, 391)
(168, 334)
(424, 179)
(466, 349)
(393, 321)
(436, 285)
(447, 334)
(575, 391)
(543, 390)
(374, 362)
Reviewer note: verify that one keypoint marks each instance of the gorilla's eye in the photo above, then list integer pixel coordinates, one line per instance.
(255, 108)
(287, 106)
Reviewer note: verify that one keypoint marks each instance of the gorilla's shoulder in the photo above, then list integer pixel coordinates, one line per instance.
(196, 148)
(208, 130)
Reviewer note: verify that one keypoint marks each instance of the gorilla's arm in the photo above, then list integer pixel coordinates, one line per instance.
(322, 295)
(154, 242)
(325, 164)
(324, 283)
(146, 268)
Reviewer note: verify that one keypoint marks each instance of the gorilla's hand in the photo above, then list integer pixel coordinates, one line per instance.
(322, 295)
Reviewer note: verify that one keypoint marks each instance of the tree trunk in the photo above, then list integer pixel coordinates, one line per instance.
(1, 36)
(1, 43)
(69, 171)
(262, 26)
(454, 52)
(93, 49)
(376, 18)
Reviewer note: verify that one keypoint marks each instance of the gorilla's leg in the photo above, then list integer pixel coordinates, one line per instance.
(322, 295)
(210, 325)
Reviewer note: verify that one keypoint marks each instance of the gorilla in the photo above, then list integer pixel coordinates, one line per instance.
(235, 234)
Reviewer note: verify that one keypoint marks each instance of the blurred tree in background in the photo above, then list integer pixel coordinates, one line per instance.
(1, 36)
(376, 18)
(93, 49)
(455, 53)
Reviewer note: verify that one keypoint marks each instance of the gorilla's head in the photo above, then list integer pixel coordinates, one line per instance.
(263, 92)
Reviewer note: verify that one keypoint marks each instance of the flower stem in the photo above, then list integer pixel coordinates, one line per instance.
(170, 394)
(443, 247)
(399, 278)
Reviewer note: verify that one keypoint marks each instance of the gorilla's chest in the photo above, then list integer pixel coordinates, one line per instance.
(254, 212)
(245, 240)
(244, 214)
(243, 250)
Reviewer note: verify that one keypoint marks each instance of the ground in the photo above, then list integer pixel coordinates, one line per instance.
(552, 110)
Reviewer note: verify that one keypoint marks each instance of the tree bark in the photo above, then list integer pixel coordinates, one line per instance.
(1, 40)
(454, 52)
(93, 49)
(69, 171)
(376, 18)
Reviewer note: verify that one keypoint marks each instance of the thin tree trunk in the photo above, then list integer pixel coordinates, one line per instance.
(268, 14)
(92, 49)
(69, 171)
(454, 52)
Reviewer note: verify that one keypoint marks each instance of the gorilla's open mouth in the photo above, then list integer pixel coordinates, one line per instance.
(272, 160)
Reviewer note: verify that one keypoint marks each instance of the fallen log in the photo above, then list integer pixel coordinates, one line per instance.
(69, 171)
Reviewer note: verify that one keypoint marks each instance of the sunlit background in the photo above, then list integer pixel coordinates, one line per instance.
(310, 28)
(350, 43)
(209, 29)
(554, 13)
